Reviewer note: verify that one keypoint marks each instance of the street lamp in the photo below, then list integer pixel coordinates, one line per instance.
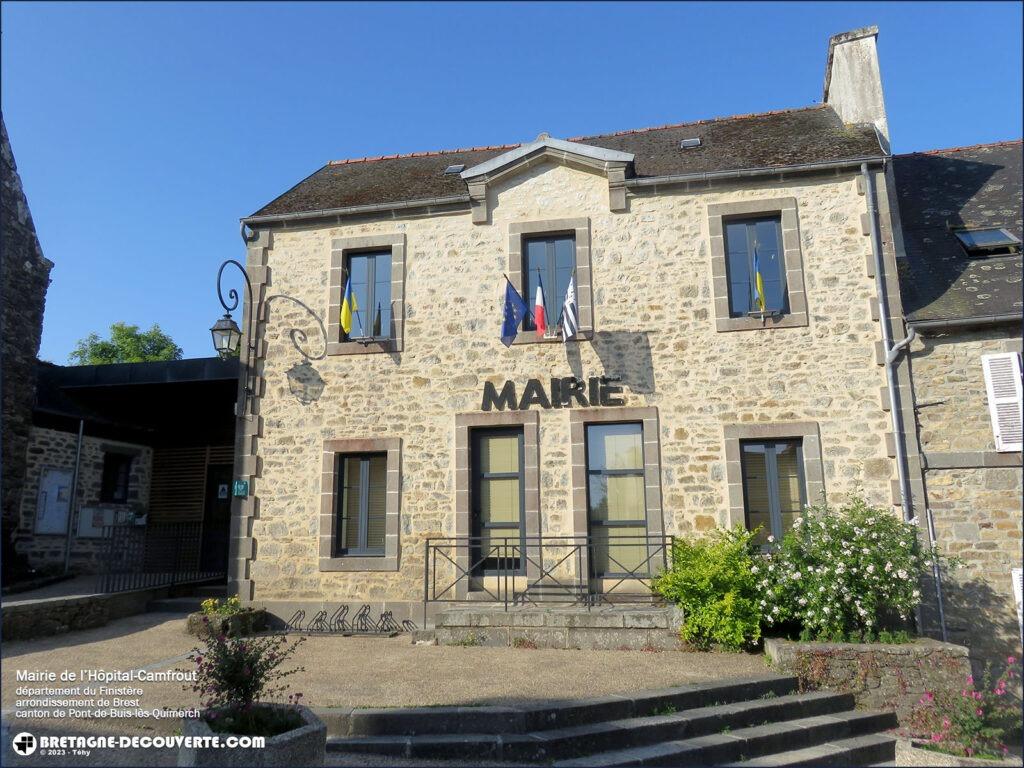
(226, 337)
(304, 382)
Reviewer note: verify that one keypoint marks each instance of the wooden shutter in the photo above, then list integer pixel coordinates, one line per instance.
(1003, 386)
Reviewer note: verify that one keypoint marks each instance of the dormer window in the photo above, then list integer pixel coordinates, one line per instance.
(982, 243)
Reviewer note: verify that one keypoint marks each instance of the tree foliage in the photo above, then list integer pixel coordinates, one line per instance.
(127, 344)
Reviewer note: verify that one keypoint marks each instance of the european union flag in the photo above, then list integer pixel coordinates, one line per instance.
(515, 309)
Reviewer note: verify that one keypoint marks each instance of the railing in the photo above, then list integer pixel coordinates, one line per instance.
(157, 555)
(586, 570)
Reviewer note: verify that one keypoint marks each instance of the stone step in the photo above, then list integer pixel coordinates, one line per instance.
(588, 738)
(646, 741)
(174, 605)
(642, 731)
(871, 749)
(762, 745)
(419, 721)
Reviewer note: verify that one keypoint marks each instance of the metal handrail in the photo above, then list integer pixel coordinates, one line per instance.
(527, 569)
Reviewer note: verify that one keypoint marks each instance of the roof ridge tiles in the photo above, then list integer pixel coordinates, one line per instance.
(964, 148)
(629, 132)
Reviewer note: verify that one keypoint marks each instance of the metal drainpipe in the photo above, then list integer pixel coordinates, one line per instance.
(74, 495)
(891, 350)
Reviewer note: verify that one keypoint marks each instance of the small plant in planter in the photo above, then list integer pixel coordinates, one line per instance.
(971, 722)
(234, 677)
(228, 617)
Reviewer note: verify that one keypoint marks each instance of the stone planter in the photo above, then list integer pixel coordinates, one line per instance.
(302, 746)
(880, 676)
(242, 624)
(909, 753)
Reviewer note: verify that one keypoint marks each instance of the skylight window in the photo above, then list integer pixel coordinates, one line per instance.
(690, 143)
(453, 169)
(987, 242)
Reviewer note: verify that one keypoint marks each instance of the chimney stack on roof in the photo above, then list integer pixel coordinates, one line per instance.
(853, 80)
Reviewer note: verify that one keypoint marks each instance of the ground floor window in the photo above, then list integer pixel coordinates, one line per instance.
(497, 499)
(362, 504)
(616, 502)
(774, 491)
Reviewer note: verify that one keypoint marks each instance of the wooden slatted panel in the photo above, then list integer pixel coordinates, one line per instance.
(178, 486)
(221, 454)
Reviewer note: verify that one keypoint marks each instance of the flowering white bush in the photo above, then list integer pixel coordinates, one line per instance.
(841, 572)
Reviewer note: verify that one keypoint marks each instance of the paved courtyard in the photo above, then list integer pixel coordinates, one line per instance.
(350, 671)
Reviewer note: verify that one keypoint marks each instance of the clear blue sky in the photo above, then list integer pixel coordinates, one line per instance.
(144, 132)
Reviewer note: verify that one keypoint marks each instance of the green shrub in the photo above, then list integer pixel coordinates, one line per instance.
(843, 573)
(712, 580)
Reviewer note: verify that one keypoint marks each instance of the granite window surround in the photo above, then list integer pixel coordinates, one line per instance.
(330, 519)
(806, 431)
(578, 421)
(341, 247)
(786, 208)
(529, 421)
(580, 229)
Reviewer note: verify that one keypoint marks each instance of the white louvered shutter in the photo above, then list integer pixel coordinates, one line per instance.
(1003, 385)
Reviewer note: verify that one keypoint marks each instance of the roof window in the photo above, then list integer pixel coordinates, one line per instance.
(690, 143)
(451, 170)
(981, 243)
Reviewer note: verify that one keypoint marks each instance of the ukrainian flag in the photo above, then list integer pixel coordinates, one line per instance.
(349, 306)
(758, 283)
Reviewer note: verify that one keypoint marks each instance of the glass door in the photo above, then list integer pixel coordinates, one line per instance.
(497, 501)
(616, 501)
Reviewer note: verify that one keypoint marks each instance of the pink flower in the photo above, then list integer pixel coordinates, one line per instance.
(1011, 660)
(945, 722)
(978, 712)
(970, 679)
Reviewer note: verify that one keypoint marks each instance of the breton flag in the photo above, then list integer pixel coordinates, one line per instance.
(512, 316)
(349, 306)
(538, 310)
(570, 313)
(758, 282)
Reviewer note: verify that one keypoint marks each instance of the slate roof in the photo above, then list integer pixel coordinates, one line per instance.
(977, 186)
(770, 139)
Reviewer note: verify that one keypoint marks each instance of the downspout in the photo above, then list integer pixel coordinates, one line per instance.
(74, 496)
(892, 350)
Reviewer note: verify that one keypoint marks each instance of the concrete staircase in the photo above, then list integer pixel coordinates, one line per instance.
(760, 721)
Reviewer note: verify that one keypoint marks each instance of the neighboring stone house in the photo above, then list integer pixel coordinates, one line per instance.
(961, 285)
(24, 277)
(680, 406)
(147, 445)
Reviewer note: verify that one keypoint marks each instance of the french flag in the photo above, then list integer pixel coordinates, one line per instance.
(538, 310)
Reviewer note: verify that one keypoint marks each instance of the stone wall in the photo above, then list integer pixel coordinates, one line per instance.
(24, 277)
(974, 493)
(655, 328)
(949, 388)
(52, 448)
(879, 675)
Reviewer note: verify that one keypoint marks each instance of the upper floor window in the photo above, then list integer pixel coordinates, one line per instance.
(548, 259)
(981, 243)
(774, 491)
(370, 273)
(114, 482)
(361, 504)
(752, 246)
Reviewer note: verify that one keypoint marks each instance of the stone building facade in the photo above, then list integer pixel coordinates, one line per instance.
(965, 305)
(50, 449)
(661, 348)
(24, 278)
